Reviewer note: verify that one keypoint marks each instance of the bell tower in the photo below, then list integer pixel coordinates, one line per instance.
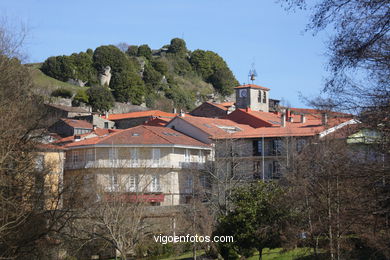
(252, 96)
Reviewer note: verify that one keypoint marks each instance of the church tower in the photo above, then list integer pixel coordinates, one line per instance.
(252, 96)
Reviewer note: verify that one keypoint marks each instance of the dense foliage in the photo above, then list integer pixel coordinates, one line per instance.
(100, 99)
(258, 221)
(139, 74)
(214, 70)
(62, 92)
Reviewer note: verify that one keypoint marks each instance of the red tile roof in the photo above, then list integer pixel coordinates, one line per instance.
(227, 104)
(149, 113)
(218, 105)
(49, 147)
(252, 124)
(158, 121)
(93, 133)
(77, 123)
(252, 86)
(142, 135)
(216, 127)
(309, 128)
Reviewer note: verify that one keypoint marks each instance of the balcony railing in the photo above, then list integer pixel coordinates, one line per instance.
(123, 163)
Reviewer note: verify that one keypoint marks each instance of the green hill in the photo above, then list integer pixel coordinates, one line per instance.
(169, 77)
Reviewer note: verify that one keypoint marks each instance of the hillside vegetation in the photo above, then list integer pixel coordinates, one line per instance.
(169, 77)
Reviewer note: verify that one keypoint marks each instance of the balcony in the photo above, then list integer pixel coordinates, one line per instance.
(124, 163)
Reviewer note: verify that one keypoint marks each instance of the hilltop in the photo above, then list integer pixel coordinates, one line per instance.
(166, 78)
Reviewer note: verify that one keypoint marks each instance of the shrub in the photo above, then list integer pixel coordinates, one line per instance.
(145, 51)
(62, 92)
(178, 46)
(100, 98)
(80, 97)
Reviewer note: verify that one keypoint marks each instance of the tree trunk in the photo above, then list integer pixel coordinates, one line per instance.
(260, 253)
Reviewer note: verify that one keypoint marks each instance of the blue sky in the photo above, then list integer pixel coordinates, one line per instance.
(287, 59)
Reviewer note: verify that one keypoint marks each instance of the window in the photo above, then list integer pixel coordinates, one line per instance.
(156, 156)
(201, 157)
(75, 156)
(258, 147)
(187, 156)
(112, 154)
(134, 155)
(259, 98)
(276, 169)
(90, 155)
(131, 183)
(204, 181)
(188, 184)
(112, 183)
(155, 184)
(39, 162)
(265, 97)
(278, 146)
(106, 125)
(300, 144)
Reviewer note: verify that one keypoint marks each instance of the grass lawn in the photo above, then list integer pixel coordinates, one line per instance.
(46, 83)
(278, 254)
(273, 254)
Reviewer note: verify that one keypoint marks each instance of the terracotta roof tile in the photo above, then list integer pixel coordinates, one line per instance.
(227, 104)
(216, 127)
(142, 135)
(94, 133)
(252, 86)
(149, 113)
(218, 105)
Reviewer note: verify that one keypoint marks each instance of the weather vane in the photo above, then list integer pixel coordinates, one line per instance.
(252, 73)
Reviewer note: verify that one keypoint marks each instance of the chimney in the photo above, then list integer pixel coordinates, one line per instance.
(174, 110)
(324, 117)
(106, 114)
(283, 120)
(182, 114)
(94, 127)
(288, 114)
(303, 118)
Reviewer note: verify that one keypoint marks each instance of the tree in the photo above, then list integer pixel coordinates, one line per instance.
(128, 87)
(337, 188)
(109, 55)
(258, 220)
(161, 66)
(214, 70)
(26, 225)
(144, 51)
(100, 98)
(132, 50)
(178, 47)
(359, 70)
(358, 56)
(77, 66)
(151, 76)
(59, 67)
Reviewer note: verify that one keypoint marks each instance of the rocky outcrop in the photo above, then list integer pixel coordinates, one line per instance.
(105, 76)
(77, 82)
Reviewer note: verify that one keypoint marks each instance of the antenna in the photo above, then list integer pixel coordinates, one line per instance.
(252, 73)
